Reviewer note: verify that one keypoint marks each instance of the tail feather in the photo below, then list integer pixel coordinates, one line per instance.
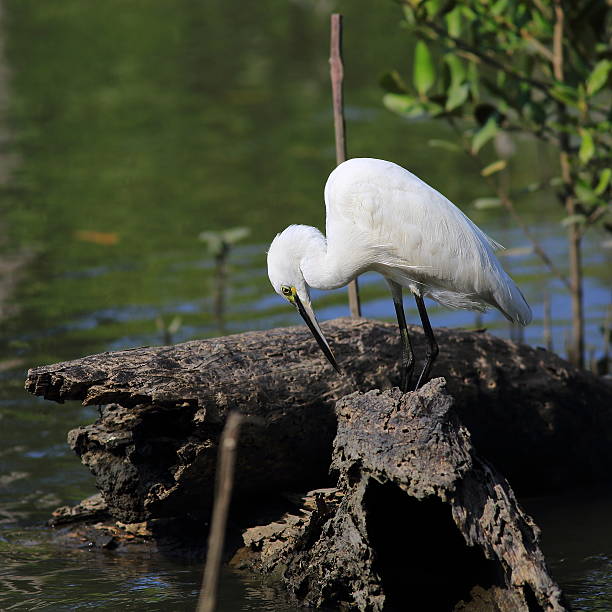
(511, 302)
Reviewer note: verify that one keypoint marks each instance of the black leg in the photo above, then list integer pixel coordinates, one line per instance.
(407, 366)
(432, 345)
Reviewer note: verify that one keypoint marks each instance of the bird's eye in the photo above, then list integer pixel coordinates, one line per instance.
(286, 290)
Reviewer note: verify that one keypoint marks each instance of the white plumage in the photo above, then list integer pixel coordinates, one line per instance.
(383, 218)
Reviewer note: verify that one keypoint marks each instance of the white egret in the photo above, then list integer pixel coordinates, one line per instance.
(382, 218)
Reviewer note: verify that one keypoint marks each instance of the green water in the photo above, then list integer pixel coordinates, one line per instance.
(148, 122)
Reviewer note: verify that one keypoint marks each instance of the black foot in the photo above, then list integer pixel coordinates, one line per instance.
(406, 377)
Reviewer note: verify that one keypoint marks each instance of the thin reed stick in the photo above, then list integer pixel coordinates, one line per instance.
(337, 76)
(547, 322)
(223, 493)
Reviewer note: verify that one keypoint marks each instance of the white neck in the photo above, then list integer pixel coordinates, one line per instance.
(319, 265)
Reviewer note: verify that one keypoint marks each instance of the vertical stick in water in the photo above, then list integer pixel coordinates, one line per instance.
(606, 341)
(223, 494)
(337, 76)
(547, 322)
(220, 286)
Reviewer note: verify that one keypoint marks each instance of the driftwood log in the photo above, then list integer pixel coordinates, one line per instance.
(418, 521)
(543, 423)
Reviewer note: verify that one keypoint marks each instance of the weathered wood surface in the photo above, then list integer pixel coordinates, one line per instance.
(541, 421)
(419, 522)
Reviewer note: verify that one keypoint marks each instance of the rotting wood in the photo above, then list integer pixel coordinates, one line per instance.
(423, 522)
(154, 453)
(545, 424)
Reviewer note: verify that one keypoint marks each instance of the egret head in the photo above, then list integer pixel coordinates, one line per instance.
(284, 257)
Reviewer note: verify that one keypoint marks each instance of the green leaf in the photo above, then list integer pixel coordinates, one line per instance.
(213, 240)
(604, 180)
(453, 22)
(432, 7)
(587, 147)
(175, 325)
(542, 26)
(235, 234)
(556, 181)
(456, 69)
(581, 219)
(217, 242)
(409, 14)
(473, 80)
(424, 73)
(497, 166)
(392, 82)
(484, 203)
(499, 7)
(603, 126)
(565, 93)
(582, 96)
(457, 95)
(433, 108)
(484, 134)
(531, 187)
(469, 13)
(444, 144)
(598, 77)
(584, 192)
(403, 104)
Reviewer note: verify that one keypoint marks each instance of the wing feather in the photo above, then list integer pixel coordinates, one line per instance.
(393, 222)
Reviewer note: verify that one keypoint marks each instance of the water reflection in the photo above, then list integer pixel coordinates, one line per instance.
(35, 574)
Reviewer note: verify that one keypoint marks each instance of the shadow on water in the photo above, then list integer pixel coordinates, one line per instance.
(577, 542)
(139, 125)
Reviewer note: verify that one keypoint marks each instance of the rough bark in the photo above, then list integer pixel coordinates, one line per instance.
(422, 521)
(544, 423)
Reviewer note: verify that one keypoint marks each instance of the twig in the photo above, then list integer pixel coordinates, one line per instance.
(508, 204)
(576, 353)
(547, 323)
(220, 286)
(337, 76)
(223, 494)
(543, 50)
(558, 42)
(606, 339)
(597, 214)
(544, 10)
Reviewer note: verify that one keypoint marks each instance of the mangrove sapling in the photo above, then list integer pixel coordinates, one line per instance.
(219, 245)
(535, 68)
